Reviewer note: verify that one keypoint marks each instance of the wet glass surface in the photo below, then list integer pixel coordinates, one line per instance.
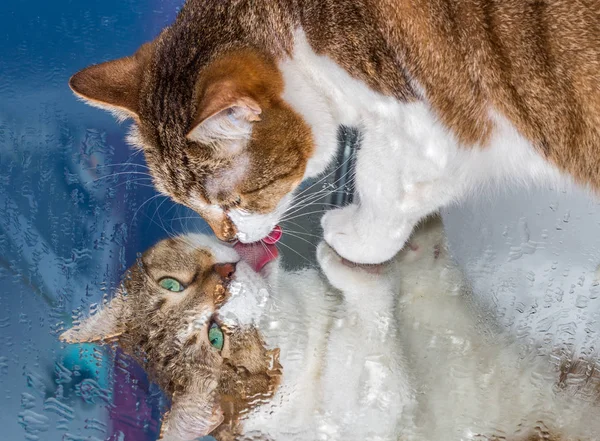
(77, 206)
(75, 209)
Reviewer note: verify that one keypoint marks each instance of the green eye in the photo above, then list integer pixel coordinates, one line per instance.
(171, 284)
(215, 336)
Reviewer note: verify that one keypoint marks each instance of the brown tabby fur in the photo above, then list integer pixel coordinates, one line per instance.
(579, 376)
(150, 319)
(535, 61)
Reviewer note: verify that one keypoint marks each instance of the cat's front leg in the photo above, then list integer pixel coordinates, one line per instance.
(368, 290)
(370, 232)
(407, 167)
(362, 236)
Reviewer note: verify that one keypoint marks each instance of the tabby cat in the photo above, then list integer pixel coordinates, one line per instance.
(248, 351)
(239, 101)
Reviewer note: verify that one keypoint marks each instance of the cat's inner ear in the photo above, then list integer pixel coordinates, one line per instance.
(194, 413)
(224, 117)
(113, 85)
(107, 324)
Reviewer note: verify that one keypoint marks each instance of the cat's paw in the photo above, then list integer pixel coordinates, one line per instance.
(345, 275)
(359, 240)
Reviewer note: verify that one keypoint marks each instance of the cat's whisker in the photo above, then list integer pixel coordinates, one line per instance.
(140, 207)
(324, 192)
(290, 233)
(167, 232)
(185, 218)
(158, 208)
(308, 199)
(267, 250)
(124, 164)
(118, 174)
(138, 184)
(293, 250)
(329, 174)
(184, 227)
(170, 234)
(161, 219)
(304, 234)
(288, 216)
(311, 199)
(177, 206)
(298, 225)
(304, 214)
(325, 177)
(139, 181)
(329, 204)
(302, 204)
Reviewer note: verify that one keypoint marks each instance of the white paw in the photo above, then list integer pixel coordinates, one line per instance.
(361, 241)
(344, 275)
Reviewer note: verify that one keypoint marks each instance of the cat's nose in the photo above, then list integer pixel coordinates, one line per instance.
(221, 225)
(224, 270)
(227, 231)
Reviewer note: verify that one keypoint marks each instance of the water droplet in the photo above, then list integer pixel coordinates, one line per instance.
(582, 301)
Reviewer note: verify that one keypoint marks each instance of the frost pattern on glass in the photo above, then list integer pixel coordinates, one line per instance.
(72, 217)
(533, 261)
(77, 206)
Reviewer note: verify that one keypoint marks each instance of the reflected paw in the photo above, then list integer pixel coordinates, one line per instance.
(345, 275)
(361, 241)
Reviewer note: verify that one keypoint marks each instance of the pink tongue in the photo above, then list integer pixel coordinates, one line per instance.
(258, 254)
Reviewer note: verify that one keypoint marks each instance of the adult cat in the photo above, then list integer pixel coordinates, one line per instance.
(239, 101)
(396, 353)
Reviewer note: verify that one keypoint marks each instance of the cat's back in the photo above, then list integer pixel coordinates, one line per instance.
(535, 62)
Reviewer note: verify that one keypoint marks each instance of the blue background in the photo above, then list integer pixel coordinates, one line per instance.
(75, 208)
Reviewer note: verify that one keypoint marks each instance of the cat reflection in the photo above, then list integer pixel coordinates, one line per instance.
(344, 352)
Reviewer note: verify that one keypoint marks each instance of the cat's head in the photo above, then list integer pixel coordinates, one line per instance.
(188, 311)
(217, 135)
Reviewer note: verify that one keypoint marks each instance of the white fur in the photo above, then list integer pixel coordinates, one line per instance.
(120, 113)
(227, 132)
(134, 138)
(247, 300)
(409, 164)
(222, 253)
(253, 227)
(364, 363)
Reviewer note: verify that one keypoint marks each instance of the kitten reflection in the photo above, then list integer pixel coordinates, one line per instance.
(387, 352)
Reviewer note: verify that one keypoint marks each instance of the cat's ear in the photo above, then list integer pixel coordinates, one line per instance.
(225, 115)
(114, 85)
(106, 324)
(194, 413)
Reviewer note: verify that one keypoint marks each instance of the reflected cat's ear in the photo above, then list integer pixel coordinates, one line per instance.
(194, 413)
(114, 85)
(106, 324)
(225, 116)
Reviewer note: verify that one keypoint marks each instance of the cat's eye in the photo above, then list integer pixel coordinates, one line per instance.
(216, 336)
(171, 284)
